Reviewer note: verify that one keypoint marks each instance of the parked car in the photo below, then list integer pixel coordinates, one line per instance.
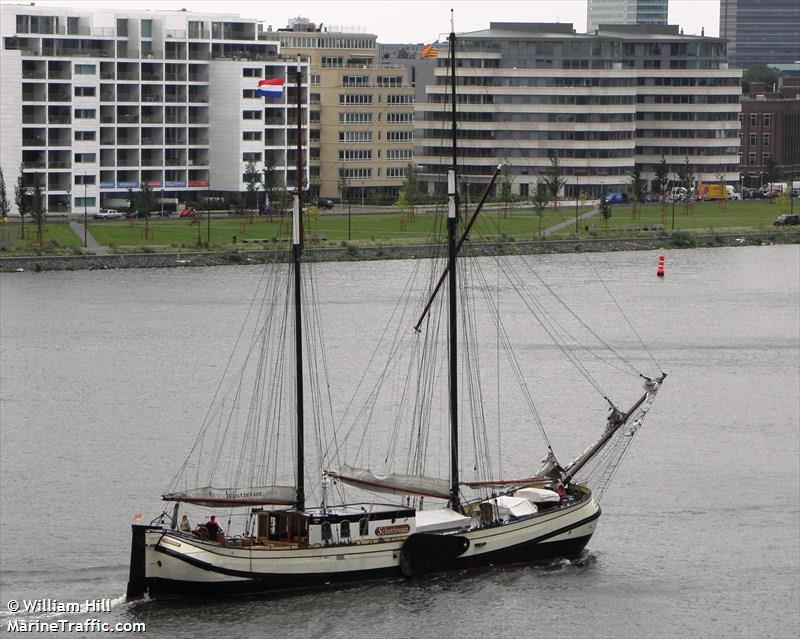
(649, 198)
(188, 212)
(325, 203)
(616, 198)
(751, 194)
(787, 220)
(268, 209)
(107, 214)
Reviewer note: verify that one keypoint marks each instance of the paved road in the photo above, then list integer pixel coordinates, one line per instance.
(571, 222)
(91, 244)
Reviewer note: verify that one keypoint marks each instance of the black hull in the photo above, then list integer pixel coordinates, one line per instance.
(527, 553)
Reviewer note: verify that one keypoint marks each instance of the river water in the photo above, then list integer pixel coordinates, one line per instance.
(105, 376)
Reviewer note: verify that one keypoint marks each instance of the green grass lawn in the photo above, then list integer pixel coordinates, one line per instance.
(331, 229)
(57, 237)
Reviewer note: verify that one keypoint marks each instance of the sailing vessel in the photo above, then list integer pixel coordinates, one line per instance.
(285, 543)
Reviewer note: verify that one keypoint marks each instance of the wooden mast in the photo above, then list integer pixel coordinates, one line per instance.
(452, 227)
(297, 249)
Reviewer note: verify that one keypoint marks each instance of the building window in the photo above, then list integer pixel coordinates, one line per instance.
(764, 159)
(85, 136)
(754, 119)
(331, 61)
(250, 136)
(251, 72)
(767, 119)
(395, 172)
(314, 116)
(355, 98)
(399, 154)
(251, 157)
(397, 118)
(400, 99)
(344, 531)
(85, 92)
(251, 115)
(81, 202)
(399, 136)
(355, 118)
(147, 28)
(85, 179)
(85, 114)
(348, 137)
(85, 69)
(355, 155)
(349, 81)
(355, 173)
(315, 79)
(765, 139)
(85, 157)
(248, 93)
(751, 158)
(753, 139)
(390, 80)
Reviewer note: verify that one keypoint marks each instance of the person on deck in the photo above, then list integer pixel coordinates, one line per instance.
(213, 528)
(185, 526)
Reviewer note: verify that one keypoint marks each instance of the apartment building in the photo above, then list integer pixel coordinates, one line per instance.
(602, 103)
(94, 103)
(361, 112)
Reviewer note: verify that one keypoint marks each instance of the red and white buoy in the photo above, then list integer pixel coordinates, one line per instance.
(660, 269)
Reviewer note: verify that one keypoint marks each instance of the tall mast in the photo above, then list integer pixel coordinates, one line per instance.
(452, 224)
(297, 248)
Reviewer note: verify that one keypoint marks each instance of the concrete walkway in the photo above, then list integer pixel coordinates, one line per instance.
(91, 244)
(566, 223)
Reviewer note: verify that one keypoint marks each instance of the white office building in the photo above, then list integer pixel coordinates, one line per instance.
(605, 103)
(93, 103)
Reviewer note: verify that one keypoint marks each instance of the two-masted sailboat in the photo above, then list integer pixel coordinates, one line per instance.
(435, 525)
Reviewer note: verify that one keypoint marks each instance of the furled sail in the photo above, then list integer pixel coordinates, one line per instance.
(252, 496)
(393, 482)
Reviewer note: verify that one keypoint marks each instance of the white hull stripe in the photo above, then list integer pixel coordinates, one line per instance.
(204, 565)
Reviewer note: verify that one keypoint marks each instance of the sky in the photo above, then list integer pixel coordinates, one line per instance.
(412, 21)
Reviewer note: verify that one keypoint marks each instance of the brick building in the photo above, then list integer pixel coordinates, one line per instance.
(770, 129)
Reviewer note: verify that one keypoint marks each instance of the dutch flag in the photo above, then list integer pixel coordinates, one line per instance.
(271, 88)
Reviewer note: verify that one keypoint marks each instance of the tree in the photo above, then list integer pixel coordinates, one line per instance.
(772, 171)
(131, 197)
(410, 187)
(21, 200)
(271, 181)
(554, 180)
(540, 200)
(662, 179)
(636, 189)
(252, 180)
(605, 209)
(5, 205)
(506, 180)
(686, 178)
(37, 210)
(145, 203)
(761, 73)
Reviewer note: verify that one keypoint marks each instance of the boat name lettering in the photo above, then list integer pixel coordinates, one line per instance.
(170, 542)
(239, 494)
(400, 529)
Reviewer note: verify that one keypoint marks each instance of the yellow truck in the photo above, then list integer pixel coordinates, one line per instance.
(707, 191)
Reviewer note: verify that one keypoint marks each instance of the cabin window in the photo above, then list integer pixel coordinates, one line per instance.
(363, 527)
(326, 532)
(344, 532)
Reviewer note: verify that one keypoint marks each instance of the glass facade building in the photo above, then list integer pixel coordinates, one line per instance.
(625, 12)
(760, 31)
